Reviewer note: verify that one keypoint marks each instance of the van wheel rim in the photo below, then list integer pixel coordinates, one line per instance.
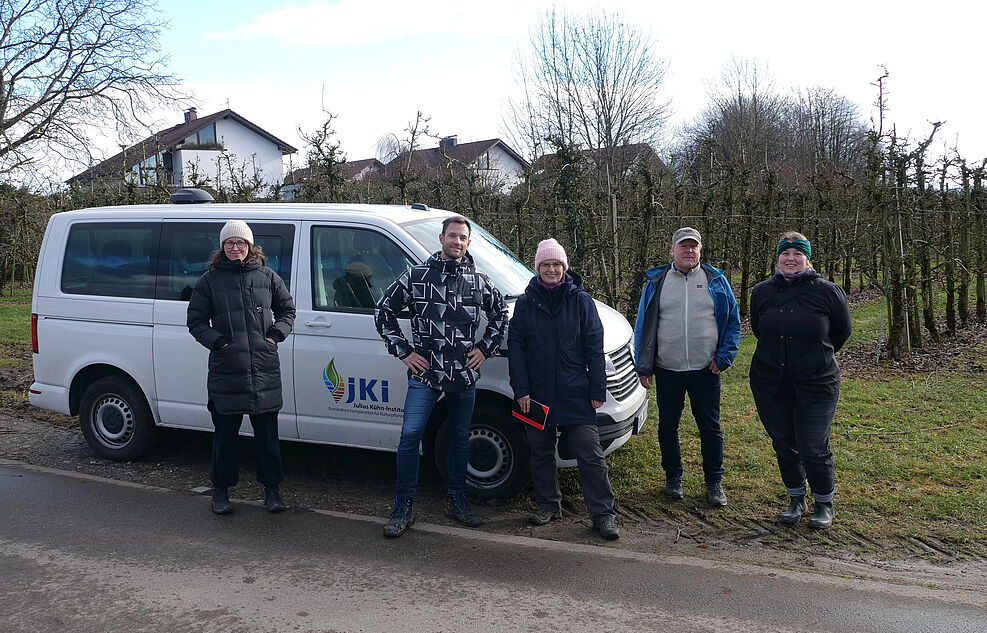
(490, 458)
(113, 421)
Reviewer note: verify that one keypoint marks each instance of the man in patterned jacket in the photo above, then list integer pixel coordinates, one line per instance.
(445, 296)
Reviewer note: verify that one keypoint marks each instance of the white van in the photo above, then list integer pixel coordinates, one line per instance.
(111, 344)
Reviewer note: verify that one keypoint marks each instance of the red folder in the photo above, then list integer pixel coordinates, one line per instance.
(536, 415)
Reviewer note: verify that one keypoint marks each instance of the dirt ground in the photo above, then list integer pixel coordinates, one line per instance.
(360, 482)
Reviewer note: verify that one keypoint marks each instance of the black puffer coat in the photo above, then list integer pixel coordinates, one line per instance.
(234, 308)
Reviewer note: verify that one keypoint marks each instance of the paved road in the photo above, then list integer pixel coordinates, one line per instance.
(81, 554)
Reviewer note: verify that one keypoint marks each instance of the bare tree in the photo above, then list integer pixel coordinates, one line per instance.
(66, 65)
(592, 84)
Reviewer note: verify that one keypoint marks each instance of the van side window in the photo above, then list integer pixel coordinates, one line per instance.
(186, 247)
(111, 259)
(351, 268)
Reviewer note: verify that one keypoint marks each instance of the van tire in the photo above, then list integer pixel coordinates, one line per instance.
(116, 420)
(498, 460)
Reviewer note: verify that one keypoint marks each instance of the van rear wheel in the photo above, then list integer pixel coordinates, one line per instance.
(498, 456)
(116, 419)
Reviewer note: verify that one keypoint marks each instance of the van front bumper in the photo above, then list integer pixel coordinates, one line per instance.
(613, 434)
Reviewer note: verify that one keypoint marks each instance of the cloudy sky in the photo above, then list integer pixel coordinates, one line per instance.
(376, 63)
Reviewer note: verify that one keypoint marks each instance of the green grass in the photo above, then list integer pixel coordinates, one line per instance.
(911, 452)
(15, 315)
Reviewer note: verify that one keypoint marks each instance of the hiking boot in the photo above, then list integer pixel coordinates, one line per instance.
(822, 515)
(542, 516)
(608, 530)
(715, 495)
(673, 487)
(458, 508)
(795, 511)
(221, 501)
(272, 499)
(401, 518)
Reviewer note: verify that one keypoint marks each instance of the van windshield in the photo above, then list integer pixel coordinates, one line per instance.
(492, 258)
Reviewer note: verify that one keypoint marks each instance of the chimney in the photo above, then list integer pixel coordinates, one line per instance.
(447, 142)
(190, 115)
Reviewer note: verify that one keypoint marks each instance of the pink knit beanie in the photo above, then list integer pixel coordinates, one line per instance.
(550, 249)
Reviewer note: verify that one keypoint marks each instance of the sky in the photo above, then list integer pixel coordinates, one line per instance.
(374, 64)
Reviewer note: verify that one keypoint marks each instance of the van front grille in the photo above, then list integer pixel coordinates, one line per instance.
(622, 381)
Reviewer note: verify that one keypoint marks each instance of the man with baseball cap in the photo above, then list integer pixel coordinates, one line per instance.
(687, 332)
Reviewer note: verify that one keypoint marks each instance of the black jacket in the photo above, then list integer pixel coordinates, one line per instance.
(446, 299)
(233, 310)
(555, 350)
(797, 341)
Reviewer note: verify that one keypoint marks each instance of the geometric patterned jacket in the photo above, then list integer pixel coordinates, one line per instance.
(445, 299)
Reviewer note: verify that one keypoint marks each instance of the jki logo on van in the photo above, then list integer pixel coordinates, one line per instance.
(356, 389)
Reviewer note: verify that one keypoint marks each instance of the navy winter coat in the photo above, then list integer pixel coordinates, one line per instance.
(234, 308)
(555, 350)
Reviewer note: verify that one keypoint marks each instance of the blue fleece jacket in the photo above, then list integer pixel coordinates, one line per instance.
(724, 306)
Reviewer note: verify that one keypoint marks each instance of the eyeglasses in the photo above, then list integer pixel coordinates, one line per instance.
(232, 244)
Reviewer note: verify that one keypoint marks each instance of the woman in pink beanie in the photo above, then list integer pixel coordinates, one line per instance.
(555, 351)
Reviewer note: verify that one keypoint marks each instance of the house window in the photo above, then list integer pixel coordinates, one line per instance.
(204, 138)
(147, 172)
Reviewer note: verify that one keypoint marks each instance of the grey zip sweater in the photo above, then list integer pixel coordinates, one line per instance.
(687, 335)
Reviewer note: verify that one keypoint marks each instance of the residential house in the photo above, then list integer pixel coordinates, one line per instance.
(498, 166)
(207, 147)
(624, 158)
(353, 170)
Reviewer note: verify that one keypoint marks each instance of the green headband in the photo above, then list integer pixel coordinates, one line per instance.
(802, 245)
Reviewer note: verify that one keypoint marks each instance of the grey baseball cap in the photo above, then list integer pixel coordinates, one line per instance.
(686, 233)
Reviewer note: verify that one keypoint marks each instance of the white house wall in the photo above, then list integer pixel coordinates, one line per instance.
(245, 148)
(509, 170)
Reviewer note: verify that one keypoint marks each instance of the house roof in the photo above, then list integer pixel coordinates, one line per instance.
(351, 169)
(168, 139)
(624, 155)
(465, 153)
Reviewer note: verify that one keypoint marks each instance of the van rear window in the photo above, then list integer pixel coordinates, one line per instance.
(111, 259)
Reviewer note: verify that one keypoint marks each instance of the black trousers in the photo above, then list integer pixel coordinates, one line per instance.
(226, 450)
(584, 443)
(799, 423)
(703, 387)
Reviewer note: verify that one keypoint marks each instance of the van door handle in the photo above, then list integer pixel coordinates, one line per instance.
(318, 323)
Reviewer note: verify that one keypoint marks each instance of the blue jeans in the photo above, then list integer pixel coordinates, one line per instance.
(703, 387)
(417, 408)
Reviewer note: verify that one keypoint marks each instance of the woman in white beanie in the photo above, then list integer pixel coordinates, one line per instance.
(555, 351)
(240, 310)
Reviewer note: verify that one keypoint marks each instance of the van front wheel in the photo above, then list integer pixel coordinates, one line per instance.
(498, 456)
(116, 420)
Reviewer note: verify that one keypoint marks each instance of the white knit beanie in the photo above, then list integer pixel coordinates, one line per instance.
(236, 228)
(550, 249)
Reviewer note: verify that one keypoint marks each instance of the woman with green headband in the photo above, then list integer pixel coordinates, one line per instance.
(800, 321)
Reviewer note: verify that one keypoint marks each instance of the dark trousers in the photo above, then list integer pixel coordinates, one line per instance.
(703, 387)
(584, 443)
(799, 423)
(226, 450)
